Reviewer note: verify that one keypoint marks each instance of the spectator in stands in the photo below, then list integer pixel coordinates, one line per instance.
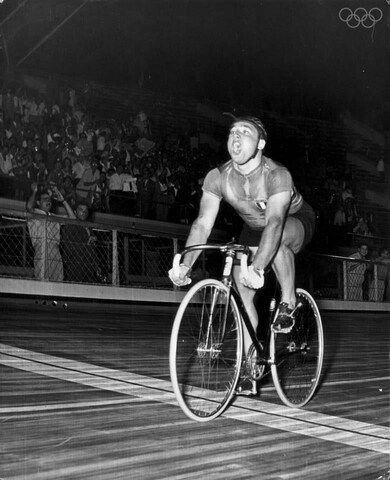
(67, 168)
(380, 168)
(129, 191)
(88, 181)
(56, 176)
(179, 209)
(362, 227)
(372, 224)
(146, 187)
(356, 274)
(68, 191)
(79, 249)
(52, 155)
(84, 145)
(79, 166)
(101, 142)
(42, 172)
(165, 196)
(45, 234)
(349, 208)
(101, 193)
(339, 217)
(377, 285)
(6, 167)
(115, 184)
(33, 112)
(142, 124)
(8, 106)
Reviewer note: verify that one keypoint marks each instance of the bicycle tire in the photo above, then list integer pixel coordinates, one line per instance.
(205, 368)
(298, 355)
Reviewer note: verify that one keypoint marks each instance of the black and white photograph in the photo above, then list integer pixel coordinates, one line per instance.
(194, 240)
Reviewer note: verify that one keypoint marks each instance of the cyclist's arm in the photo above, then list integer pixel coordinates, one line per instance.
(275, 215)
(202, 226)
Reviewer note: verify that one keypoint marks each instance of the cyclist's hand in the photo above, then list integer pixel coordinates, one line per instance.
(180, 278)
(254, 278)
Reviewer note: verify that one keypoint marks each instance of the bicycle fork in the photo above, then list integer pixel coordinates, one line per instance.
(210, 346)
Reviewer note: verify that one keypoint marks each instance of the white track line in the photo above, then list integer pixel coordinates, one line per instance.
(340, 382)
(301, 422)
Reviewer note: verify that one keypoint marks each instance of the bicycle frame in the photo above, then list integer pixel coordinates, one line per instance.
(295, 381)
(230, 251)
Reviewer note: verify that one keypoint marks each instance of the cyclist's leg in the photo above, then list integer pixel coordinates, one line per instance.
(283, 264)
(247, 385)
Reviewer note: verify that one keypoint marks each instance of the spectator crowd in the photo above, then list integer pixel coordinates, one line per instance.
(112, 166)
(124, 167)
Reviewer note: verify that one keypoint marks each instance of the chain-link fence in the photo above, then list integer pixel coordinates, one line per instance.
(343, 278)
(63, 250)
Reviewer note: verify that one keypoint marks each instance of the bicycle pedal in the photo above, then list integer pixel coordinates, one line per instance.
(246, 387)
(298, 305)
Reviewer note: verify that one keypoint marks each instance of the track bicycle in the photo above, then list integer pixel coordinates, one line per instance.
(206, 346)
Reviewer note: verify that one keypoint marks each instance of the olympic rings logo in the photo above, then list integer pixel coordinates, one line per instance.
(360, 16)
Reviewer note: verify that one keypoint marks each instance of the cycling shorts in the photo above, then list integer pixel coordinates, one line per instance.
(305, 215)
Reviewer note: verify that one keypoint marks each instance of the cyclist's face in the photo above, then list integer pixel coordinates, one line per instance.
(242, 141)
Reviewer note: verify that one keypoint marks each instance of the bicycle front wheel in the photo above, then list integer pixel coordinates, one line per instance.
(298, 355)
(206, 350)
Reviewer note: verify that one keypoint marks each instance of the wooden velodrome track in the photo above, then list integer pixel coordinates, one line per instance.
(85, 394)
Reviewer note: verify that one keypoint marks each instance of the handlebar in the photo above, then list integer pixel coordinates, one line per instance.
(228, 247)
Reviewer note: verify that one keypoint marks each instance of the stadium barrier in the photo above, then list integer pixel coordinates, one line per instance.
(117, 251)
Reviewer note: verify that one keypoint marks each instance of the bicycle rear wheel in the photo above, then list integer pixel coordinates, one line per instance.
(206, 350)
(299, 354)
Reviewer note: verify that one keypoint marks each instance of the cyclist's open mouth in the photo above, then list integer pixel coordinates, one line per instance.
(236, 148)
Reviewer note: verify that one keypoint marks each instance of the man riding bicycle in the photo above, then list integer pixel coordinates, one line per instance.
(278, 223)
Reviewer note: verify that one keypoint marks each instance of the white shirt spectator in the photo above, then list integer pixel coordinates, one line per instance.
(78, 169)
(100, 143)
(6, 164)
(41, 108)
(33, 108)
(129, 183)
(116, 182)
(339, 218)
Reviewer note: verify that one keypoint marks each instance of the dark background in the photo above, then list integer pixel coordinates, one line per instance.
(293, 57)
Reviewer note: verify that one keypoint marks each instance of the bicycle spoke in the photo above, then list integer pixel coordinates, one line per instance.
(298, 355)
(207, 350)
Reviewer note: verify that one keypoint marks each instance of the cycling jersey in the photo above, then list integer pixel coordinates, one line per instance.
(249, 194)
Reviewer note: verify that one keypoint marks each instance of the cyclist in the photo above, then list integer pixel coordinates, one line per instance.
(278, 223)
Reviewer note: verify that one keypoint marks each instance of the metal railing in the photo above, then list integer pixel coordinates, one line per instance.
(62, 250)
(57, 249)
(344, 278)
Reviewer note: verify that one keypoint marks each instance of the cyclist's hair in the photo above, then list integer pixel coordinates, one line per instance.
(256, 122)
